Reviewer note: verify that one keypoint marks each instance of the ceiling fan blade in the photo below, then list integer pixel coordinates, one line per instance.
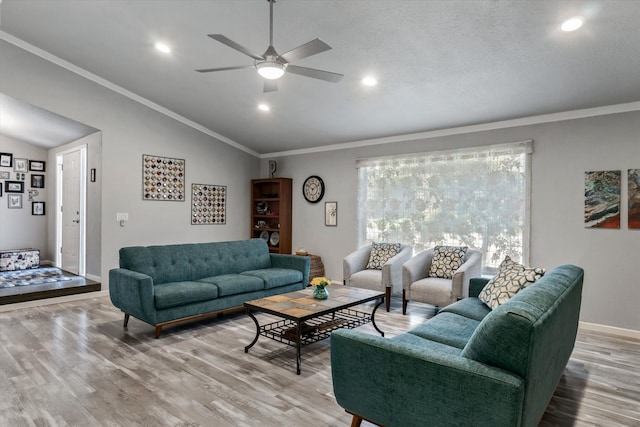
(315, 74)
(233, 45)
(270, 85)
(313, 47)
(236, 67)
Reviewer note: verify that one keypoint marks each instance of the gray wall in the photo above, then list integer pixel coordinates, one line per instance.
(563, 151)
(130, 130)
(18, 228)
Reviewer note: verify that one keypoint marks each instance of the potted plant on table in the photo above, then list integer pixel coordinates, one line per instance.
(320, 283)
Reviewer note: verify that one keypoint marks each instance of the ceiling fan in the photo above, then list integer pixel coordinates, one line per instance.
(271, 65)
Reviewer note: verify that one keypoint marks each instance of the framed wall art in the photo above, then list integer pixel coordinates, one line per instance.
(6, 160)
(5, 175)
(602, 199)
(37, 181)
(14, 187)
(37, 208)
(37, 165)
(331, 214)
(163, 178)
(14, 201)
(633, 176)
(20, 165)
(208, 204)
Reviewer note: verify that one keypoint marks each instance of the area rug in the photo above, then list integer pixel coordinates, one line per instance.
(37, 276)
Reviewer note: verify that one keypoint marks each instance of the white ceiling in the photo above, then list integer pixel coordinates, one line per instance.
(440, 64)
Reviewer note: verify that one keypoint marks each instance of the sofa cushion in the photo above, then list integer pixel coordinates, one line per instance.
(233, 284)
(381, 253)
(276, 277)
(433, 289)
(367, 279)
(175, 294)
(471, 308)
(414, 341)
(447, 328)
(446, 260)
(508, 281)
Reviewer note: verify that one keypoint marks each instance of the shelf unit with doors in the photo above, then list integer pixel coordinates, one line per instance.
(271, 212)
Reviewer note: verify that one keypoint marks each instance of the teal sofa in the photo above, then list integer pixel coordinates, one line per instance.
(162, 285)
(468, 365)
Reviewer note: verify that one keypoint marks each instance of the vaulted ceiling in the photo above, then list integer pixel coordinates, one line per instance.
(439, 64)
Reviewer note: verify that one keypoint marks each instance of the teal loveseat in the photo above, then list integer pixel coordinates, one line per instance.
(162, 285)
(468, 365)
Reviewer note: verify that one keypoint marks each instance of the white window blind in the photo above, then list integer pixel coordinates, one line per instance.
(477, 197)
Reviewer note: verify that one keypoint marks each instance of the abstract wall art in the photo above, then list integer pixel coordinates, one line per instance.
(163, 178)
(208, 204)
(634, 198)
(602, 199)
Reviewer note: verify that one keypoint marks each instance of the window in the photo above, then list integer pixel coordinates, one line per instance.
(476, 197)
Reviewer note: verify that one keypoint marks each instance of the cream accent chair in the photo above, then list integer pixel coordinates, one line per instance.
(388, 280)
(418, 286)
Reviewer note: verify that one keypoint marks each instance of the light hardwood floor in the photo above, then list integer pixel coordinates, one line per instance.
(72, 364)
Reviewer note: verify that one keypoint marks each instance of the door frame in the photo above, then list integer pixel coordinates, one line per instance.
(82, 258)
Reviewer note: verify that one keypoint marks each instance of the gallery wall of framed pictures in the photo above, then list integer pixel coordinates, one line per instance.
(21, 181)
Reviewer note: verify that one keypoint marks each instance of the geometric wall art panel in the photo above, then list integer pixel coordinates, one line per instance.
(208, 204)
(163, 178)
(602, 199)
(634, 197)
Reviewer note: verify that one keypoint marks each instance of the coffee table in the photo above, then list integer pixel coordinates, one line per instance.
(306, 320)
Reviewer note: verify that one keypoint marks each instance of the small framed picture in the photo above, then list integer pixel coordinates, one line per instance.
(331, 214)
(37, 165)
(5, 175)
(14, 187)
(6, 160)
(20, 165)
(37, 181)
(14, 201)
(37, 208)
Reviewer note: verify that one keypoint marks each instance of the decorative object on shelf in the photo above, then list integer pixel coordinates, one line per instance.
(208, 204)
(14, 187)
(14, 201)
(37, 165)
(274, 239)
(301, 252)
(37, 181)
(273, 167)
(20, 165)
(331, 214)
(265, 235)
(602, 199)
(6, 160)
(163, 178)
(313, 189)
(37, 208)
(320, 291)
(262, 208)
(633, 185)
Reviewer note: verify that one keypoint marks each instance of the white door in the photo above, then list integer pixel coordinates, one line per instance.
(71, 168)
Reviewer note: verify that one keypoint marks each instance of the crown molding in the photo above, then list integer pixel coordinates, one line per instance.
(122, 91)
(504, 124)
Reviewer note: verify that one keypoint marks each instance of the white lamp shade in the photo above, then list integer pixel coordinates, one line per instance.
(270, 70)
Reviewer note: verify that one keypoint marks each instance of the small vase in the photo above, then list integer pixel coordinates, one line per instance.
(320, 292)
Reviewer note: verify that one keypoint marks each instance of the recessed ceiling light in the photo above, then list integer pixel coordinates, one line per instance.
(572, 24)
(263, 107)
(163, 47)
(369, 81)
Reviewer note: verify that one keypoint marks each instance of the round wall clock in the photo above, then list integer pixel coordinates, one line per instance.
(313, 189)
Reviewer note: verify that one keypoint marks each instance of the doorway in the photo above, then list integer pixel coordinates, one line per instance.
(71, 196)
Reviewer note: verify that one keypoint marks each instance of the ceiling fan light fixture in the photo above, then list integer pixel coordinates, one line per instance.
(572, 24)
(270, 69)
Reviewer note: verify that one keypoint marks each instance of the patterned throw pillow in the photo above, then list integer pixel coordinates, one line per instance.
(446, 260)
(508, 281)
(381, 253)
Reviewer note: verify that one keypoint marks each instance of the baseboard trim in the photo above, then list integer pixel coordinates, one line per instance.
(611, 330)
(55, 300)
(93, 277)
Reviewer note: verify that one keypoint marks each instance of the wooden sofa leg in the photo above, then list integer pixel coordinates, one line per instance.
(126, 320)
(387, 298)
(158, 330)
(404, 301)
(356, 421)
